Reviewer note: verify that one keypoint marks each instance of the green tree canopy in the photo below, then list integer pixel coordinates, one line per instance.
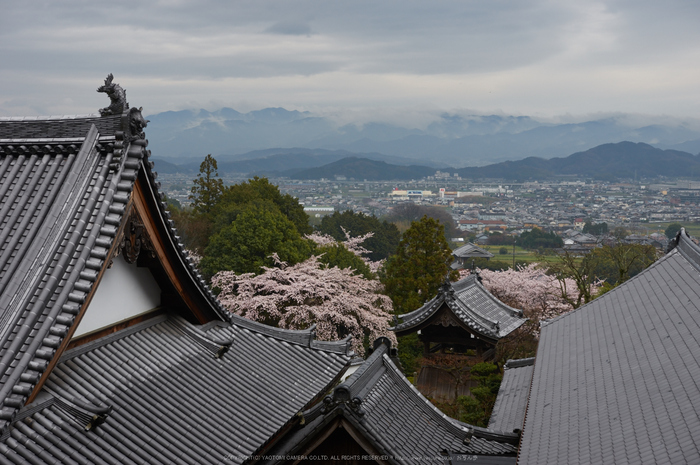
(612, 264)
(476, 409)
(672, 230)
(620, 233)
(382, 244)
(255, 189)
(245, 245)
(173, 204)
(338, 255)
(538, 239)
(193, 228)
(597, 229)
(501, 239)
(582, 270)
(414, 274)
(208, 187)
(195, 222)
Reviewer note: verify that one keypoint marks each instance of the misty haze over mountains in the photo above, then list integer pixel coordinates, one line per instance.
(300, 140)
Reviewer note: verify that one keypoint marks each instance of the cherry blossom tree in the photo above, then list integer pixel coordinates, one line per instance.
(352, 244)
(339, 301)
(541, 295)
(530, 288)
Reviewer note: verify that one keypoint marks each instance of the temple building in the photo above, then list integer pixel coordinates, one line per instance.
(467, 253)
(115, 351)
(462, 317)
(378, 415)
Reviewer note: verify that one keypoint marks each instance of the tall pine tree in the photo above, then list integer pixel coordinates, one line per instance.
(421, 263)
(207, 188)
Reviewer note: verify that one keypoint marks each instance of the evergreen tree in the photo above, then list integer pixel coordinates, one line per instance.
(339, 256)
(383, 242)
(247, 244)
(208, 187)
(403, 215)
(195, 223)
(538, 239)
(476, 409)
(597, 229)
(260, 189)
(620, 233)
(672, 230)
(421, 263)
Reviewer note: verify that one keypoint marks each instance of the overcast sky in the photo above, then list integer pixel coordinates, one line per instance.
(527, 57)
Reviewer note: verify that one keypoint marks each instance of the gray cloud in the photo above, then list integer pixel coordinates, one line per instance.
(292, 28)
(530, 56)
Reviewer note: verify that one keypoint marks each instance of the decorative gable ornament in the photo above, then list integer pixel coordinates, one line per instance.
(116, 95)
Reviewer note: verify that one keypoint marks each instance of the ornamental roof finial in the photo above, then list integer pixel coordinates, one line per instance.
(116, 94)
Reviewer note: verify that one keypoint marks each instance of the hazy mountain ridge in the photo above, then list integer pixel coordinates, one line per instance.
(451, 139)
(363, 169)
(279, 162)
(626, 160)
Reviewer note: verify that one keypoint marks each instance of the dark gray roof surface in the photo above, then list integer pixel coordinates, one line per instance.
(61, 201)
(172, 400)
(508, 412)
(616, 381)
(395, 418)
(65, 183)
(471, 250)
(473, 305)
(23, 129)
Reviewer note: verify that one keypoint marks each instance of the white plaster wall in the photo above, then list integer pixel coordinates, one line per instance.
(351, 369)
(125, 291)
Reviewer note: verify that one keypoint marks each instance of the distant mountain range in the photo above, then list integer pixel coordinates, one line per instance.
(364, 169)
(626, 160)
(450, 140)
(278, 162)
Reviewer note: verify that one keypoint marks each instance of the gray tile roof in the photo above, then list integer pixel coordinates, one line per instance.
(60, 206)
(508, 412)
(165, 397)
(472, 304)
(44, 128)
(65, 183)
(470, 250)
(155, 392)
(395, 418)
(616, 381)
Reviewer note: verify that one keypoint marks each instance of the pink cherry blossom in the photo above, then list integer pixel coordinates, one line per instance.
(530, 288)
(340, 302)
(353, 244)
